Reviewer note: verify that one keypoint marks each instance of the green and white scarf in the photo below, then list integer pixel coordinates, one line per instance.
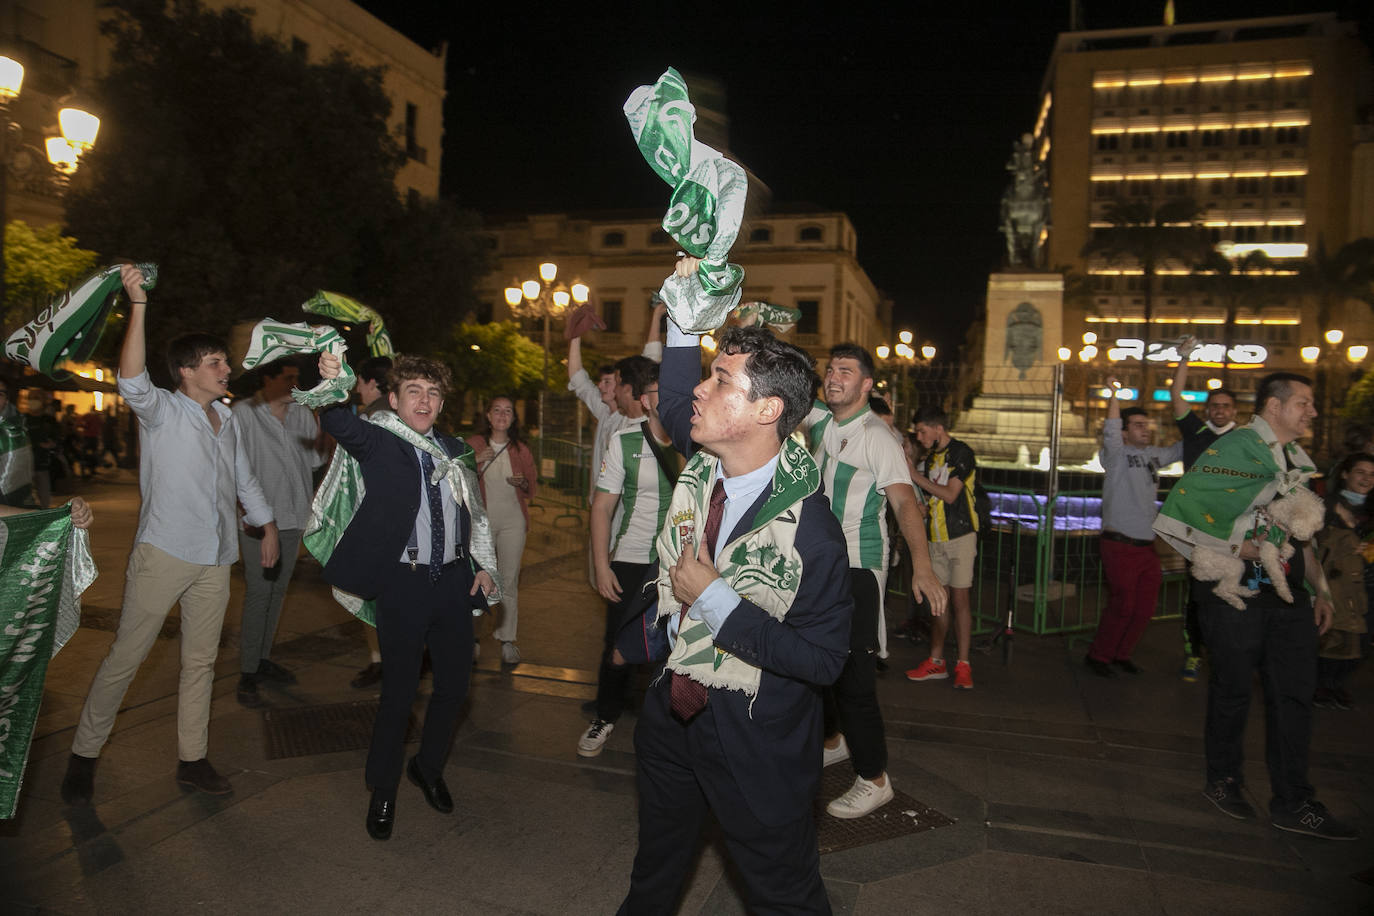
(341, 307)
(1215, 505)
(70, 327)
(707, 206)
(45, 566)
(342, 490)
(762, 565)
(779, 318)
(274, 339)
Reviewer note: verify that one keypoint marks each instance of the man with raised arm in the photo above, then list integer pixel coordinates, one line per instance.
(754, 588)
(192, 469)
(1198, 433)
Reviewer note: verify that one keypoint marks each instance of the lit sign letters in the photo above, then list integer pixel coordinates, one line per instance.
(1167, 352)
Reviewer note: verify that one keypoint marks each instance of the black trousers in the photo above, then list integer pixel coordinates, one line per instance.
(413, 613)
(681, 770)
(1192, 628)
(1280, 640)
(613, 681)
(851, 704)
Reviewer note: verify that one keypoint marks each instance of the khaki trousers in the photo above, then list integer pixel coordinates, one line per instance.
(155, 581)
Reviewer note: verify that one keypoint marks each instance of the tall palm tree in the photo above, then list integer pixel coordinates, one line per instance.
(1150, 237)
(1245, 281)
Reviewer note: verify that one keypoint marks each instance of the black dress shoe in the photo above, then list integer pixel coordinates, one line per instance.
(79, 784)
(248, 692)
(1128, 666)
(381, 815)
(1101, 669)
(436, 794)
(274, 672)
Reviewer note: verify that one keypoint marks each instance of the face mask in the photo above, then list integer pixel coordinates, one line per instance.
(1355, 499)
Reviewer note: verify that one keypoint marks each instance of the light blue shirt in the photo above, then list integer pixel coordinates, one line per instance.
(190, 476)
(422, 518)
(718, 600)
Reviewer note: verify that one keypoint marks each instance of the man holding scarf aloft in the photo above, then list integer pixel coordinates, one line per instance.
(1219, 505)
(419, 545)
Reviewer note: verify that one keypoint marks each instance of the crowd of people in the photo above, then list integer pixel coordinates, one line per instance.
(742, 530)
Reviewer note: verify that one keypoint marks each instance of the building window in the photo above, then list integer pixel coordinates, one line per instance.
(1138, 188)
(610, 313)
(1245, 234)
(1175, 187)
(1104, 190)
(1249, 136)
(810, 234)
(1283, 233)
(1177, 139)
(1218, 186)
(761, 234)
(659, 237)
(1214, 138)
(413, 148)
(1290, 135)
(1142, 141)
(1108, 142)
(1286, 184)
(1249, 185)
(810, 321)
(614, 239)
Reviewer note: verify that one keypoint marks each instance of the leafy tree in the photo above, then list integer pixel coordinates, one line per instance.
(39, 264)
(495, 358)
(1332, 279)
(254, 178)
(1150, 237)
(1244, 281)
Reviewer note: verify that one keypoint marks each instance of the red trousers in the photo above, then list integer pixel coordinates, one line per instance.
(1133, 580)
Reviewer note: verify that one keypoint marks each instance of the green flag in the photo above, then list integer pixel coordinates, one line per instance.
(71, 326)
(16, 463)
(707, 204)
(45, 565)
(337, 305)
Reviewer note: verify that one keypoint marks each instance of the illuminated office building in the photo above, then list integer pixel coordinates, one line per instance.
(1257, 121)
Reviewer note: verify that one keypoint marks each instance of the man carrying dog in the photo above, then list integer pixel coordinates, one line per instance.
(1219, 505)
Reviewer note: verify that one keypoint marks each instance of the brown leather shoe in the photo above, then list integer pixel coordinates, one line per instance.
(198, 774)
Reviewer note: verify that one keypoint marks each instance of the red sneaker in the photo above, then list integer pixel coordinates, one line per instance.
(928, 670)
(963, 676)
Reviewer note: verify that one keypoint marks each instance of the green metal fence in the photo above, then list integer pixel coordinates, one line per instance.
(564, 475)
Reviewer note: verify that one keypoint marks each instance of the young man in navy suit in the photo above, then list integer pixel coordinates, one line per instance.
(749, 745)
(421, 577)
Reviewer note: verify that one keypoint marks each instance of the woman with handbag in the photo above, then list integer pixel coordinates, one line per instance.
(506, 473)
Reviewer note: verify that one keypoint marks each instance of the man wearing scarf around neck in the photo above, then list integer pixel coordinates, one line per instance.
(410, 547)
(1218, 505)
(757, 627)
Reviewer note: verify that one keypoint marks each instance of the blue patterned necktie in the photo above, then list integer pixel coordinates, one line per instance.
(436, 517)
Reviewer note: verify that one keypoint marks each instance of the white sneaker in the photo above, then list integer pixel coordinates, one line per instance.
(510, 655)
(863, 797)
(835, 754)
(594, 739)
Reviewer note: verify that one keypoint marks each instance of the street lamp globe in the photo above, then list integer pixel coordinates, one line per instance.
(1091, 351)
(11, 78)
(78, 127)
(1335, 336)
(928, 351)
(1310, 354)
(883, 351)
(548, 271)
(904, 337)
(1089, 338)
(62, 154)
(513, 295)
(1064, 354)
(531, 289)
(561, 298)
(905, 351)
(1357, 353)
(580, 292)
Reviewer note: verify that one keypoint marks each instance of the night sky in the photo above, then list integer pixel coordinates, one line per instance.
(904, 120)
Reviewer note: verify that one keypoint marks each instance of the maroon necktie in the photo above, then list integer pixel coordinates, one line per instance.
(687, 697)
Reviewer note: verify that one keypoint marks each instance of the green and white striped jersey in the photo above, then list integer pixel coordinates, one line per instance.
(859, 460)
(630, 470)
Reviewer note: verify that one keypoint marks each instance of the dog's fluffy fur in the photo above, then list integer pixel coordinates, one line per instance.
(1299, 515)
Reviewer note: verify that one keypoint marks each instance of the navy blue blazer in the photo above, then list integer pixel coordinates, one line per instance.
(774, 749)
(369, 553)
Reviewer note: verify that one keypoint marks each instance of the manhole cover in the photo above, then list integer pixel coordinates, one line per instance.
(299, 731)
(899, 817)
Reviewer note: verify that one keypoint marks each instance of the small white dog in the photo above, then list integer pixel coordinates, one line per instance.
(1299, 515)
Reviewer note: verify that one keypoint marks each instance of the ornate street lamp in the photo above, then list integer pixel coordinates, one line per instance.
(79, 129)
(540, 299)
